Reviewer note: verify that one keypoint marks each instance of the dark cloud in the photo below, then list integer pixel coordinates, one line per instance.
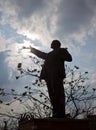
(28, 7)
(74, 15)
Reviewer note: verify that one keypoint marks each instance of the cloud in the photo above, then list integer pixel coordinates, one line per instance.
(40, 21)
(74, 15)
(46, 20)
(94, 79)
(42, 28)
(27, 8)
(4, 69)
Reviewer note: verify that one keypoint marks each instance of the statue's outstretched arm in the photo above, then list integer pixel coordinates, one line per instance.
(38, 53)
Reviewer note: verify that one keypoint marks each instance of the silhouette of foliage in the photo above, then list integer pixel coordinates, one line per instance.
(80, 96)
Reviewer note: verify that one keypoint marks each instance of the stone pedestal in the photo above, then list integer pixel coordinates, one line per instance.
(58, 124)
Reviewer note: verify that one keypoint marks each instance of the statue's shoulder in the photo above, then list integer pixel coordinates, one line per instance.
(63, 50)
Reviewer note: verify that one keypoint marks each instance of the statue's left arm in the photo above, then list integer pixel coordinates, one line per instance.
(65, 55)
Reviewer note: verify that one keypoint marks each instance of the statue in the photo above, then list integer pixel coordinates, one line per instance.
(53, 72)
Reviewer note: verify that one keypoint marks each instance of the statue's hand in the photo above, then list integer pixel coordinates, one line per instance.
(30, 47)
(24, 47)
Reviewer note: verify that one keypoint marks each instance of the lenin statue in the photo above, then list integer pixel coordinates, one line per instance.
(53, 72)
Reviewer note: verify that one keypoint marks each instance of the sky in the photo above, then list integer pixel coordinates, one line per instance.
(37, 23)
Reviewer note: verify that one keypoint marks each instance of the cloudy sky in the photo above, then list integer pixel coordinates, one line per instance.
(37, 23)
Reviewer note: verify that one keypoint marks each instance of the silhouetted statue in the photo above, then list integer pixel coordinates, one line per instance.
(53, 72)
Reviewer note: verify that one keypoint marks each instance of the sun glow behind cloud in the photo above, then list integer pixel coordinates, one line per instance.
(32, 36)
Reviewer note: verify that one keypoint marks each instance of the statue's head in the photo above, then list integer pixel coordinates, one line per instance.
(55, 44)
